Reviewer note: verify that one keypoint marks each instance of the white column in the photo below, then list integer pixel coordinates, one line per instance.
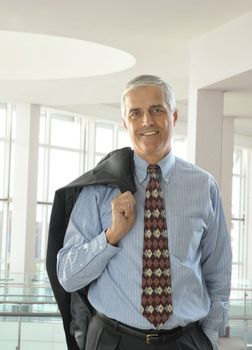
(206, 134)
(25, 189)
(210, 140)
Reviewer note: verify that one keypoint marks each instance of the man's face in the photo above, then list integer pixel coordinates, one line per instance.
(149, 122)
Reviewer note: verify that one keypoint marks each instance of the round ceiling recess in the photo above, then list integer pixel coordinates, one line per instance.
(29, 56)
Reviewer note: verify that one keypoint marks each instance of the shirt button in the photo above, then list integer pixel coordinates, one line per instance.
(101, 247)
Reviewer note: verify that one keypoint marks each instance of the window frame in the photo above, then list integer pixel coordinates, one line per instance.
(7, 185)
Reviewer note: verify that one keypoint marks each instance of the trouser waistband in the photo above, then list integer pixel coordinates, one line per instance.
(149, 336)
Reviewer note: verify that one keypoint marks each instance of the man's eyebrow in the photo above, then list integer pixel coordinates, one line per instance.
(157, 105)
(134, 109)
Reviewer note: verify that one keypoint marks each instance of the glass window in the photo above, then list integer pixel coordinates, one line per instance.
(2, 162)
(60, 160)
(12, 169)
(64, 167)
(3, 112)
(237, 161)
(5, 232)
(13, 122)
(7, 128)
(1, 231)
(179, 147)
(65, 131)
(104, 138)
(43, 217)
(39, 224)
(42, 128)
(238, 217)
(236, 194)
(42, 226)
(123, 139)
(9, 227)
(98, 158)
(41, 174)
(235, 242)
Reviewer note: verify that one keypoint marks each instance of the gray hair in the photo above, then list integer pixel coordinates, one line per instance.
(143, 80)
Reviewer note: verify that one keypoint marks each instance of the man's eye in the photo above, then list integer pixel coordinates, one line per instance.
(134, 114)
(157, 110)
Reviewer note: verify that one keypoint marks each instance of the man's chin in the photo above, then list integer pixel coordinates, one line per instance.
(147, 152)
(152, 153)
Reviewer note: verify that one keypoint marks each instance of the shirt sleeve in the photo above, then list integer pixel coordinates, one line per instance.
(216, 267)
(85, 252)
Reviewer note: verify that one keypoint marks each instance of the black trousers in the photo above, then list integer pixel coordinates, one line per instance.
(104, 334)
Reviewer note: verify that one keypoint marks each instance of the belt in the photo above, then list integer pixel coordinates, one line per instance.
(149, 336)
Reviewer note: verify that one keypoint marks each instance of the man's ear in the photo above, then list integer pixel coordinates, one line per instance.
(124, 124)
(175, 117)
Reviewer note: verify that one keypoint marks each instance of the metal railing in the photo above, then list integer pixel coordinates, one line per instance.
(21, 314)
(31, 301)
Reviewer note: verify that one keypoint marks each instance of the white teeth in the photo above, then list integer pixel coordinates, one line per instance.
(149, 133)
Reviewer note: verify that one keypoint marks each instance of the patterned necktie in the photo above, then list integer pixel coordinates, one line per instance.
(156, 278)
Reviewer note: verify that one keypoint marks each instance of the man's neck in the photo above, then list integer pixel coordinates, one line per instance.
(152, 159)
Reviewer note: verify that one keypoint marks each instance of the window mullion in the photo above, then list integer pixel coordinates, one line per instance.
(7, 151)
(47, 156)
(91, 144)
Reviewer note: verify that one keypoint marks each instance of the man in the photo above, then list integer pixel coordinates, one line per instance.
(158, 261)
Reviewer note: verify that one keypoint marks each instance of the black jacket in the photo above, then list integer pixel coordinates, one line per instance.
(115, 170)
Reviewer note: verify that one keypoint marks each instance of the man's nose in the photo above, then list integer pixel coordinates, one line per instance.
(147, 119)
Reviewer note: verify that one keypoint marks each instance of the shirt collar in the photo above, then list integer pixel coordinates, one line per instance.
(166, 164)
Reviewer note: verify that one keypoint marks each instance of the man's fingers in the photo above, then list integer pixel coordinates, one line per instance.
(127, 209)
(124, 199)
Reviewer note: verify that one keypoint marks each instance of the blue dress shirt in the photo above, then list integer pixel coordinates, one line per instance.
(198, 243)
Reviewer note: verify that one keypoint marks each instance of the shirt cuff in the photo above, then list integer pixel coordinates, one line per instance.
(104, 244)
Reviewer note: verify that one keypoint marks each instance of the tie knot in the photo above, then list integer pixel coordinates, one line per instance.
(153, 169)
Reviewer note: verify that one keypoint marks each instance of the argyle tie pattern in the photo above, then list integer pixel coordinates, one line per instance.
(156, 278)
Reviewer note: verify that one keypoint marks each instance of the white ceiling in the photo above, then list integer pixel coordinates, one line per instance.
(156, 32)
(47, 57)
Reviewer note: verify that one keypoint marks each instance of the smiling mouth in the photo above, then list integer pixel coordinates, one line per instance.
(149, 133)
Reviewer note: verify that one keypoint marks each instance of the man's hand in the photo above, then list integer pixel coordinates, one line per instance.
(123, 217)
